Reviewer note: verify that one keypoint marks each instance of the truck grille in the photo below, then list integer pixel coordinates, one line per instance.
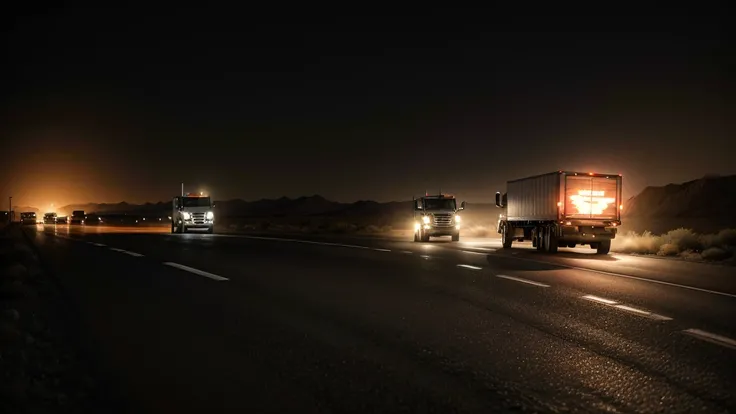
(198, 218)
(443, 220)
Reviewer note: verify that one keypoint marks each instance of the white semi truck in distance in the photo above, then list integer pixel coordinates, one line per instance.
(562, 209)
(435, 216)
(192, 212)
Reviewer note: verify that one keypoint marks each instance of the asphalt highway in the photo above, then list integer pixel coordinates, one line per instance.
(262, 323)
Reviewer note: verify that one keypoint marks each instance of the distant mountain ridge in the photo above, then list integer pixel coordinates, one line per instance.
(705, 205)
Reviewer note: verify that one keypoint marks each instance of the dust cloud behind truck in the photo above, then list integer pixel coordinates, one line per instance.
(562, 209)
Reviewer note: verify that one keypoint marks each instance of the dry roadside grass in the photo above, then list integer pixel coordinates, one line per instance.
(682, 242)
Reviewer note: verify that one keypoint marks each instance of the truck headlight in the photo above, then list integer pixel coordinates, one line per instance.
(457, 218)
(425, 219)
(210, 215)
(185, 215)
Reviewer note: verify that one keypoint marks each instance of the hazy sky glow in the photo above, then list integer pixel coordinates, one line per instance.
(113, 105)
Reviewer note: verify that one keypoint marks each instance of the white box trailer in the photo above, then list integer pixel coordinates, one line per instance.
(562, 209)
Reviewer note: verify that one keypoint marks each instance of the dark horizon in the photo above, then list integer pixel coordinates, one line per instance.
(357, 107)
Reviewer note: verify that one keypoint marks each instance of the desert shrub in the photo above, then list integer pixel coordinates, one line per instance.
(726, 237)
(632, 242)
(684, 239)
(342, 228)
(668, 249)
(715, 253)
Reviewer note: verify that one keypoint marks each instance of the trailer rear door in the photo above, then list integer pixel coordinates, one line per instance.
(592, 197)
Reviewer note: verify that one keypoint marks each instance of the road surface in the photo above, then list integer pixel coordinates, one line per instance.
(236, 323)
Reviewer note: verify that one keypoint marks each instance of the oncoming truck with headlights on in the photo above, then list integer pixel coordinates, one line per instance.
(562, 209)
(192, 212)
(436, 216)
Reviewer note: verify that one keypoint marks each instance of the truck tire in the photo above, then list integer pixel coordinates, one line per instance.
(456, 237)
(173, 228)
(425, 237)
(551, 243)
(416, 236)
(506, 239)
(211, 230)
(603, 247)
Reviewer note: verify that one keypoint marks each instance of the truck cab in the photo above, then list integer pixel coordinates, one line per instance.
(192, 212)
(28, 218)
(436, 216)
(77, 217)
(49, 218)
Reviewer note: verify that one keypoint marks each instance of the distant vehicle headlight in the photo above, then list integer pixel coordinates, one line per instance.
(425, 219)
(457, 218)
(210, 215)
(185, 215)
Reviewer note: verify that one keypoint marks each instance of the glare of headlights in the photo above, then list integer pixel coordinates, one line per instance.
(457, 218)
(210, 215)
(185, 215)
(425, 219)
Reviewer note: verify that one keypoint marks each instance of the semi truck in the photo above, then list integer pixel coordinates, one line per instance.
(192, 212)
(561, 209)
(77, 217)
(436, 216)
(49, 218)
(28, 217)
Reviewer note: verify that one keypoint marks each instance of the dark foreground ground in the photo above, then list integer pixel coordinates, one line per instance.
(235, 323)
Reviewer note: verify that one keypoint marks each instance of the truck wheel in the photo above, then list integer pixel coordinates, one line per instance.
(551, 243)
(456, 237)
(416, 236)
(604, 247)
(210, 230)
(506, 239)
(425, 237)
(173, 228)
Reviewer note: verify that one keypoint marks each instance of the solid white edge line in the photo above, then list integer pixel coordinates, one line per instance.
(469, 267)
(196, 271)
(99, 244)
(599, 299)
(711, 337)
(381, 250)
(518, 279)
(116, 249)
(133, 253)
(469, 252)
(643, 279)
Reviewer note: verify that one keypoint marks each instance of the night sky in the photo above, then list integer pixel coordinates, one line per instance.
(107, 105)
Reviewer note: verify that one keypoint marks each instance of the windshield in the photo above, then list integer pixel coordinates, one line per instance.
(196, 202)
(50, 215)
(77, 213)
(440, 204)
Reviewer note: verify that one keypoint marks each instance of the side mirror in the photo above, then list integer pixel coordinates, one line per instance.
(214, 205)
(499, 201)
(462, 206)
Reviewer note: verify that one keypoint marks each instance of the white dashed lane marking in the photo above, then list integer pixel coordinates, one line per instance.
(518, 279)
(196, 271)
(616, 305)
(711, 337)
(469, 267)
